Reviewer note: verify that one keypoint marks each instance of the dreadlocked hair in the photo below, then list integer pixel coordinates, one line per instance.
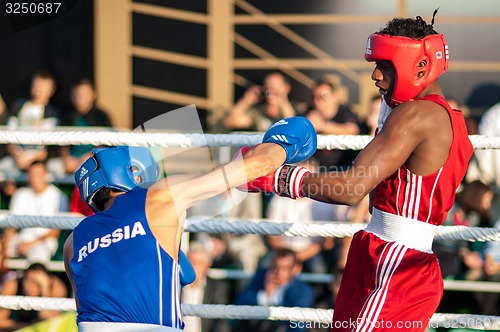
(408, 27)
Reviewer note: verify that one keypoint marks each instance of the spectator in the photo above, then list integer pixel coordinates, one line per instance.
(3, 120)
(5, 273)
(84, 114)
(219, 206)
(204, 290)
(237, 244)
(472, 208)
(232, 249)
(277, 286)
(261, 106)
(7, 189)
(488, 161)
(39, 198)
(36, 281)
(470, 121)
(490, 302)
(34, 113)
(329, 117)
(474, 211)
(307, 249)
(369, 126)
(3, 111)
(334, 250)
(479, 260)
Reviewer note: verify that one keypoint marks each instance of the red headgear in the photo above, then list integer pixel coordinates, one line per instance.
(405, 54)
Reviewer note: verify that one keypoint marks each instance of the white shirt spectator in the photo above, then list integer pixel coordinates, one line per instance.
(489, 160)
(28, 202)
(286, 210)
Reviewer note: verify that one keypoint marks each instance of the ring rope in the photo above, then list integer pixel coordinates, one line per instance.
(315, 278)
(481, 322)
(325, 278)
(259, 226)
(59, 137)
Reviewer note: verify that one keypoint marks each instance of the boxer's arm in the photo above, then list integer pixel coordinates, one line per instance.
(262, 160)
(403, 132)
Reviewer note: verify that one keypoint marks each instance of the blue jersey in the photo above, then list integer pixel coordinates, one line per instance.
(121, 273)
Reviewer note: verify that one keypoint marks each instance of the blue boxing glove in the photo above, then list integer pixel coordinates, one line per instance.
(187, 273)
(296, 135)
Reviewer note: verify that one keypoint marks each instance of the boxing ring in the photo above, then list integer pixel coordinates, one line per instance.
(235, 226)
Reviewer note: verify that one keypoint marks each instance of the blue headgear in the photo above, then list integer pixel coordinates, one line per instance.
(122, 168)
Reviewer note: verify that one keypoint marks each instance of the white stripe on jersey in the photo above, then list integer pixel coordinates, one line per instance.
(413, 193)
(177, 284)
(417, 199)
(174, 290)
(160, 285)
(397, 193)
(407, 195)
(411, 207)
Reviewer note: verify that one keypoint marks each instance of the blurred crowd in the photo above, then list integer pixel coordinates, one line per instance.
(32, 184)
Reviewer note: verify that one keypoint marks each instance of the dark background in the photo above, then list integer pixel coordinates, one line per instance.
(63, 46)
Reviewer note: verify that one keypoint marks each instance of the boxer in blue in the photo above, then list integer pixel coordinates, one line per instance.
(124, 262)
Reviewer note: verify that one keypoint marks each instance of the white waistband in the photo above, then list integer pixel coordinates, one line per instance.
(409, 232)
(123, 327)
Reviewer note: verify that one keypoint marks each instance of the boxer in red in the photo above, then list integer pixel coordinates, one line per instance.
(412, 167)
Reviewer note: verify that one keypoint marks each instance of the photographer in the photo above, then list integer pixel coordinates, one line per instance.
(261, 106)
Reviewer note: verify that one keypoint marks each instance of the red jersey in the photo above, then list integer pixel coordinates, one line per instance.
(428, 198)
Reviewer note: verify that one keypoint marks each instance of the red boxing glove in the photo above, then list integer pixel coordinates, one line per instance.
(263, 184)
(241, 152)
(286, 181)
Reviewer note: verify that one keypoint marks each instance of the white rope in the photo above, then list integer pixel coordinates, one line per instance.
(127, 138)
(343, 142)
(59, 221)
(269, 227)
(262, 227)
(248, 312)
(325, 278)
(60, 137)
(482, 142)
(257, 312)
(16, 302)
(468, 233)
(472, 286)
(324, 229)
(313, 278)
